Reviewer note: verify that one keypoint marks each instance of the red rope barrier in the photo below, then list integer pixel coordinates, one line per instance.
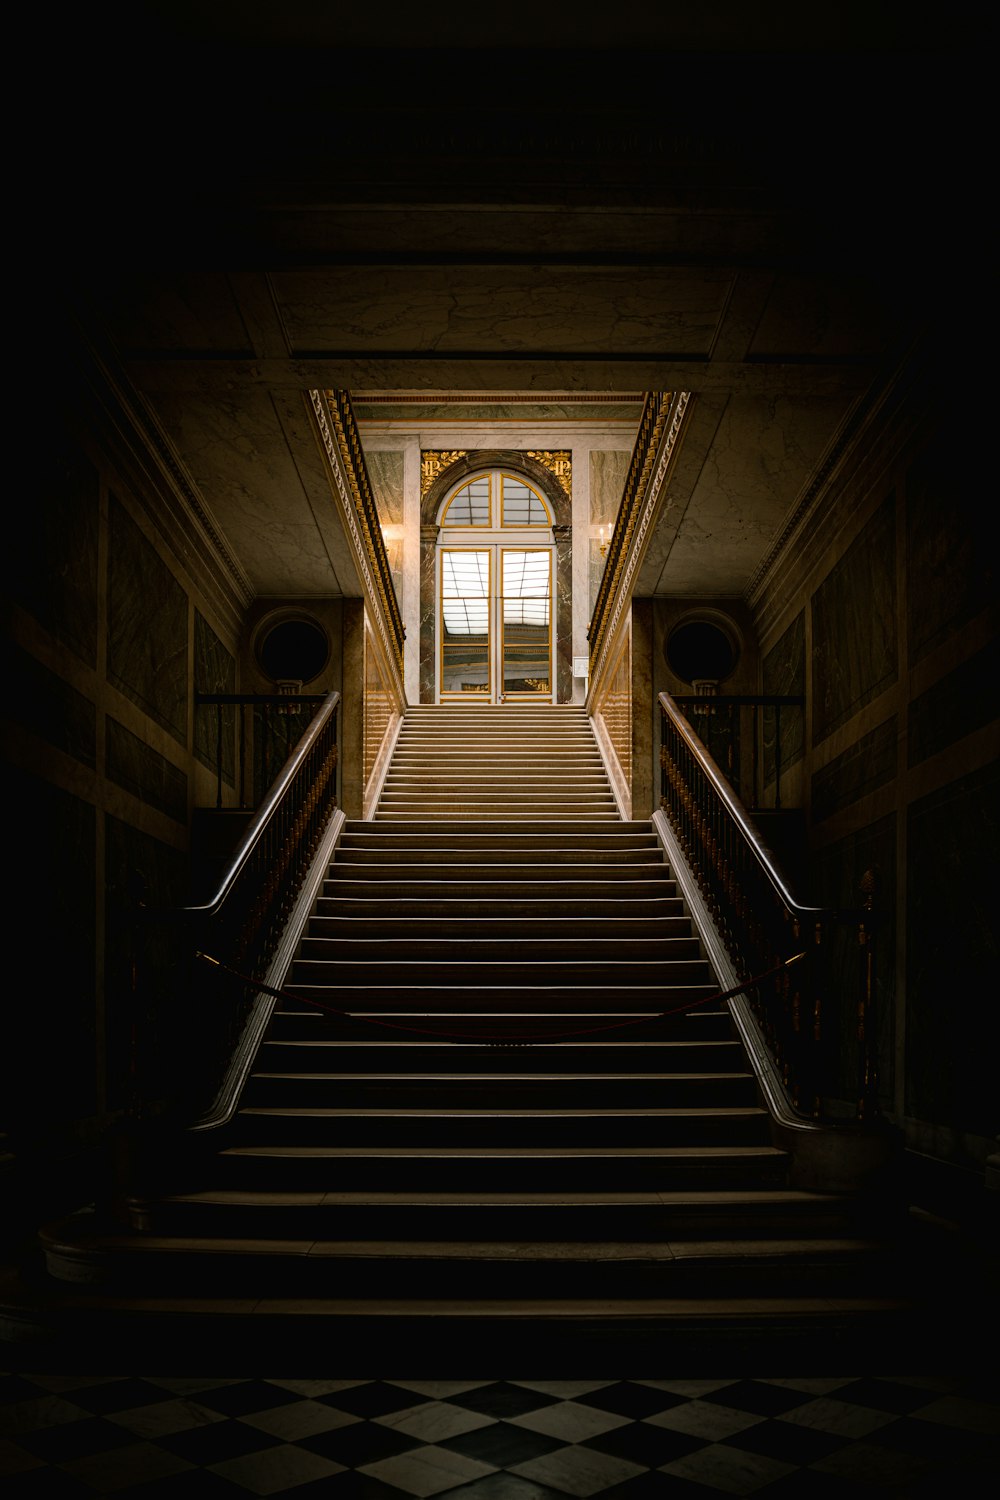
(524, 1039)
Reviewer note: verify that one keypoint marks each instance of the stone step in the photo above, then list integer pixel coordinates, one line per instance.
(504, 1126)
(331, 1167)
(366, 882)
(523, 801)
(516, 826)
(471, 926)
(565, 1216)
(428, 1268)
(502, 984)
(371, 836)
(501, 814)
(552, 949)
(496, 1089)
(321, 1052)
(587, 858)
(400, 1015)
(411, 905)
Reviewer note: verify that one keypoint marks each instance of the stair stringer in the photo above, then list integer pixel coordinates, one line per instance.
(824, 1156)
(612, 768)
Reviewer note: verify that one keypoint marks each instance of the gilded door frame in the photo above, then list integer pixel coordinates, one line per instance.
(559, 500)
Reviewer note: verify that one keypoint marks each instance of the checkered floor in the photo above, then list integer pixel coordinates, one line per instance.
(906, 1436)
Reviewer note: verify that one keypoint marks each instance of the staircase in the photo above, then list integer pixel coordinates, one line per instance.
(505, 1109)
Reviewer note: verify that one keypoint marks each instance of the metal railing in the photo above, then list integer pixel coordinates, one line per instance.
(241, 925)
(747, 739)
(763, 926)
(271, 735)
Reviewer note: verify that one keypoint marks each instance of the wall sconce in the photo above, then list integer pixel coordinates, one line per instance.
(605, 539)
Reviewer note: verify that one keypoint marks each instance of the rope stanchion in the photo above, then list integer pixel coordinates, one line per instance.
(522, 1040)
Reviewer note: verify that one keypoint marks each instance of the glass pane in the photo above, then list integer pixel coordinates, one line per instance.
(525, 574)
(525, 663)
(526, 577)
(465, 621)
(465, 575)
(470, 506)
(521, 506)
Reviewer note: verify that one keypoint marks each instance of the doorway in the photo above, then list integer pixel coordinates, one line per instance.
(495, 576)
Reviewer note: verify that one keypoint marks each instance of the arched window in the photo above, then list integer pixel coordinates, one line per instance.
(495, 591)
(495, 500)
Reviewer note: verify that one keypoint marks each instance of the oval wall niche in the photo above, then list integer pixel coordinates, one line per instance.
(703, 649)
(292, 649)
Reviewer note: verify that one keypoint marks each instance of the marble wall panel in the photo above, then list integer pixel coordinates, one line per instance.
(952, 898)
(147, 626)
(56, 577)
(564, 614)
(137, 864)
(854, 626)
(783, 675)
(608, 472)
(214, 672)
(595, 570)
(865, 766)
(132, 764)
(489, 410)
(950, 555)
(51, 1025)
(838, 872)
(46, 705)
(385, 470)
(428, 613)
(958, 704)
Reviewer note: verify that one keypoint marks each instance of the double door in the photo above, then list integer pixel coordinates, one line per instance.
(495, 623)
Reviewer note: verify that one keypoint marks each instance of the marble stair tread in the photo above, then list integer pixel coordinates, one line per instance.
(351, 906)
(430, 837)
(416, 1310)
(511, 878)
(484, 1153)
(541, 1079)
(501, 814)
(642, 1251)
(721, 1112)
(588, 860)
(476, 943)
(707, 1200)
(597, 827)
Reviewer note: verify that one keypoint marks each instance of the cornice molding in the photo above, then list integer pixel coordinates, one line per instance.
(656, 445)
(362, 528)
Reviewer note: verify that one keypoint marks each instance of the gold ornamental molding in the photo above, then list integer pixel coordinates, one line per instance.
(339, 435)
(558, 461)
(434, 461)
(655, 449)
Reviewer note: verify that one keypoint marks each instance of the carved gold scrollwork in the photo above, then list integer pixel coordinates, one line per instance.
(558, 462)
(434, 461)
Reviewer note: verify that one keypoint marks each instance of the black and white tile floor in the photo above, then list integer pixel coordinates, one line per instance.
(190, 1437)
